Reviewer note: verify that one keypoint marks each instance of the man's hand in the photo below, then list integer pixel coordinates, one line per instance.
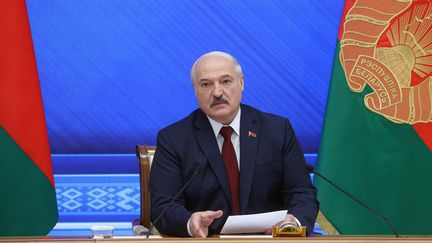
(288, 218)
(200, 221)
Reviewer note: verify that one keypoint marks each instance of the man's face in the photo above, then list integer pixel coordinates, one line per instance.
(217, 88)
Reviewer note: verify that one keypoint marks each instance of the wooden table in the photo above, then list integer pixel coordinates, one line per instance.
(129, 239)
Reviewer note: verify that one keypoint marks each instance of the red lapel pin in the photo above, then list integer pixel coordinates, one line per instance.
(252, 134)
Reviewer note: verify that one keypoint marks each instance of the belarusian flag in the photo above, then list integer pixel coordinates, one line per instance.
(377, 135)
(27, 195)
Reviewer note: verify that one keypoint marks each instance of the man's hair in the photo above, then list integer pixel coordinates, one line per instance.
(238, 69)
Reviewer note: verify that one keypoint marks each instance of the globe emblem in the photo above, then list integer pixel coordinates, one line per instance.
(397, 62)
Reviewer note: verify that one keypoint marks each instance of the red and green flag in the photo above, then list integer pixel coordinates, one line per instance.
(27, 195)
(377, 134)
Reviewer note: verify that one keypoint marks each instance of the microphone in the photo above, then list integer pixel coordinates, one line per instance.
(311, 169)
(196, 171)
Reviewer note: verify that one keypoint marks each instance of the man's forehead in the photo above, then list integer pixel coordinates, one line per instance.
(215, 67)
(215, 76)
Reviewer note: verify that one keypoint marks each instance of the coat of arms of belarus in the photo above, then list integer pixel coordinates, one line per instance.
(387, 45)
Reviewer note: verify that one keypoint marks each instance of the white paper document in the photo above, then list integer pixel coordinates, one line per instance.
(131, 237)
(248, 236)
(252, 223)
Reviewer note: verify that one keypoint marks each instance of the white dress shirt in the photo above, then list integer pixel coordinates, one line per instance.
(235, 137)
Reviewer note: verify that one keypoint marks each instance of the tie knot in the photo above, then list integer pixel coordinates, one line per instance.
(226, 132)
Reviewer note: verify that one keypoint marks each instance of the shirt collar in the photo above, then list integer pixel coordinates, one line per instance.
(235, 124)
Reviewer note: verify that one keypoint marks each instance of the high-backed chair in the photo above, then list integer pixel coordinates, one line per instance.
(145, 157)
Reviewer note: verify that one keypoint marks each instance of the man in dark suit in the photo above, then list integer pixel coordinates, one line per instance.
(249, 161)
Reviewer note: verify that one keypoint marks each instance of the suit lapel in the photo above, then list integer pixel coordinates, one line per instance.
(249, 135)
(207, 141)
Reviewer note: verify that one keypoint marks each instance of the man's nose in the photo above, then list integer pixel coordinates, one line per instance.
(218, 91)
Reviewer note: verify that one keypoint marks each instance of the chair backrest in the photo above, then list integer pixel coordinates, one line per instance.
(145, 157)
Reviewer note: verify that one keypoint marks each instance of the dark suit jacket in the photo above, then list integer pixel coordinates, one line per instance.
(272, 172)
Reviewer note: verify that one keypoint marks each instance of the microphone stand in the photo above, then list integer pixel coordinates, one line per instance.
(311, 169)
(196, 171)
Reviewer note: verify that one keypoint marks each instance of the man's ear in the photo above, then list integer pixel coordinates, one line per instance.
(194, 88)
(242, 82)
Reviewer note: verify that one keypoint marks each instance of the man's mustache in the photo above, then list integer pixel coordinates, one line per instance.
(218, 101)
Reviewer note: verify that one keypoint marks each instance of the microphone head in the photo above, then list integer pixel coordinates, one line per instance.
(310, 168)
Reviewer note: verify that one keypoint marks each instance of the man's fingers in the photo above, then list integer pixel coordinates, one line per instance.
(280, 222)
(208, 217)
(198, 231)
(290, 218)
(201, 233)
(217, 214)
(212, 214)
(268, 231)
(195, 227)
(200, 221)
